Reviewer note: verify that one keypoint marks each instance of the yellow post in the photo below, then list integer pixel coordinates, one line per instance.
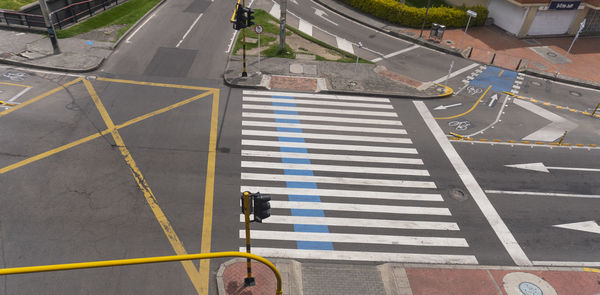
(248, 281)
(563, 137)
(244, 73)
(595, 109)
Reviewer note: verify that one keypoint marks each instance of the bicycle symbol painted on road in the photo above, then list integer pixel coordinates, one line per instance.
(460, 125)
(16, 76)
(474, 90)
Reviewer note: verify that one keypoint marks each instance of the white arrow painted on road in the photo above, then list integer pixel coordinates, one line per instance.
(320, 13)
(543, 168)
(493, 100)
(443, 107)
(550, 132)
(587, 226)
(294, 1)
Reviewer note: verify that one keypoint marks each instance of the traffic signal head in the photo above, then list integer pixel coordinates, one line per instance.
(262, 207)
(249, 17)
(240, 17)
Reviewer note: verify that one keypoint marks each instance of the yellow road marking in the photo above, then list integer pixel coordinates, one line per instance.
(589, 269)
(209, 193)
(102, 133)
(471, 109)
(176, 243)
(26, 103)
(500, 73)
(15, 84)
(154, 84)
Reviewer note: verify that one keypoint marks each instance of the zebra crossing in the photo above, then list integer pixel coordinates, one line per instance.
(346, 182)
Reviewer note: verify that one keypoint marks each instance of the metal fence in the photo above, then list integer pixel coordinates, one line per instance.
(498, 59)
(68, 14)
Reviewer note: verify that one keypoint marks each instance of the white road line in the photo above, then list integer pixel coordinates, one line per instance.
(396, 53)
(322, 118)
(189, 30)
(568, 263)
(57, 73)
(363, 256)
(318, 102)
(319, 110)
(344, 193)
(550, 132)
(310, 95)
(344, 45)
(275, 11)
(508, 240)
(360, 222)
(326, 136)
(335, 147)
(231, 41)
(19, 94)
(305, 27)
(495, 121)
(332, 157)
(361, 208)
(128, 40)
(456, 73)
(337, 180)
(356, 238)
(334, 168)
(324, 127)
(500, 192)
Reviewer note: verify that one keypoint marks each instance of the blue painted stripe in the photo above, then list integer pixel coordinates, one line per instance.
(312, 245)
(284, 104)
(489, 77)
(281, 96)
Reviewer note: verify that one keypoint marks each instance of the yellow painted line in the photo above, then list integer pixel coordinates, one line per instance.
(589, 269)
(512, 141)
(525, 142)
(539, 142)
(546, 103)
(586, 113)
(470, 110)
(501, 72)
(15, 84)
(468, 138)
(521, 97)
(554, 143)
(455, 134)
(51, 152)
(593, 145)
(163, 110)
(204, 269)
(565, 144)
(497, 140)
(579, 144)
(170, 233)
(533, 100)
(559, 107)
(573, 110)
(154, 84)
(47, 93)
(483, 139)
(96, 135)
(509, 93)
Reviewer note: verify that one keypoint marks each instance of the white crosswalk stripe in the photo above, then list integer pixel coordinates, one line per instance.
(345, 180)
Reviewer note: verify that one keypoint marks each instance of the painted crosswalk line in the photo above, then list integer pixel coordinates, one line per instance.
(337, 180)
(332, 157)
(321, 118)
(325, 136)
(335, 168)
(360, 222)
(425, 197)
(324, 146)
(323, 127)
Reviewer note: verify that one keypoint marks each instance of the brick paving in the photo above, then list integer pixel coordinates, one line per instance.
(293, 83)
(234, 274)
(487, 40)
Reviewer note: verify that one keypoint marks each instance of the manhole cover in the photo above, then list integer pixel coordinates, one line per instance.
(458, 194)
(536, 83)
(551, 54)
(528, 288)
(575, 93)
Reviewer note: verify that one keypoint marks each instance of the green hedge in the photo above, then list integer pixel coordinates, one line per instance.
(404, 15)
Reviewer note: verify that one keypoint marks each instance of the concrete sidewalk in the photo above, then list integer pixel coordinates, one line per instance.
(406, 279)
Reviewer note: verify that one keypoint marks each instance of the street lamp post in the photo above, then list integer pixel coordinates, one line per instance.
(49, 25)
(425, 18)
(471, 15)
(581, 26)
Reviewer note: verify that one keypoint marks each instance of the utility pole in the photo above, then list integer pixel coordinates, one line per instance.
(581, 26)
(49, 25)
(425, 18)
(281, 25)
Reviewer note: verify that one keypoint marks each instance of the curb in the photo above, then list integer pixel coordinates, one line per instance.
(289, 269)
(118, 42)
(535, 73)
(56, 69)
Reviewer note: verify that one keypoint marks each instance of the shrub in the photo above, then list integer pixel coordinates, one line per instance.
(404, 15)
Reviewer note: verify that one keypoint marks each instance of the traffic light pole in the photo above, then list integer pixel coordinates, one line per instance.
(248, 281)
(244, 73)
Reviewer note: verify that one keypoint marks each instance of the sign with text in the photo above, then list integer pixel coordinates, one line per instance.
(564, 5)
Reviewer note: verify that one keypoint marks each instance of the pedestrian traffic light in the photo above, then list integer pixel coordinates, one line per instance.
(239, 19)
(262, 208)
(249, 17)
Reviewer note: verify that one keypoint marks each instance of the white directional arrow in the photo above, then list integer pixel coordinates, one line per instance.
(543, 168)
(550, 132)
(443, 107)
(587, 226)
(493, 100)
(320, 13)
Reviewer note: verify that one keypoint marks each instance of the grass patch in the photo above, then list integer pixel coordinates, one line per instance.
(125, 14)
(262, 18)
(14, 4)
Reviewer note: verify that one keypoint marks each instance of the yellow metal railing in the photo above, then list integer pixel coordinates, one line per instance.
(121, 262)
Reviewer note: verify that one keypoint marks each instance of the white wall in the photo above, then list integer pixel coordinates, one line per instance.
(506, 15)
(550, 22)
